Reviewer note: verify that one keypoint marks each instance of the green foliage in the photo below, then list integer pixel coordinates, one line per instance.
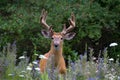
(19, 21)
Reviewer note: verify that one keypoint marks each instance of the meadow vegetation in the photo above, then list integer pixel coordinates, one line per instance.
(103, 68)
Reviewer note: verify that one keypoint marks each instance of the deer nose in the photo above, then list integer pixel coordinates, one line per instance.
(56, 45)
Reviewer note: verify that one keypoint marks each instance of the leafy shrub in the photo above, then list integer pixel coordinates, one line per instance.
(19, 21)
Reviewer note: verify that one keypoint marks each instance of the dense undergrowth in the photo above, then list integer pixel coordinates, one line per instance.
(104, 68)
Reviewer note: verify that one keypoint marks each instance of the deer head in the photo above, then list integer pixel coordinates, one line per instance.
(57, 37)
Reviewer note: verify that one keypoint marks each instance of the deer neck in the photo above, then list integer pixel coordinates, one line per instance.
(56, 52)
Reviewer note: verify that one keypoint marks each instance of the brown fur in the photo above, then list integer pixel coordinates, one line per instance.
(58, 57)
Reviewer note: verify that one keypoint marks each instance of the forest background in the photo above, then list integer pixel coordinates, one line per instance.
(97, 25)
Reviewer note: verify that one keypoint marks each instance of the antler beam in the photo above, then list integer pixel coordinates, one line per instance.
(43, 19)
(72, 24)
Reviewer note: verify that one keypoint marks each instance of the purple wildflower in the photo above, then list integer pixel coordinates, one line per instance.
(91, 78)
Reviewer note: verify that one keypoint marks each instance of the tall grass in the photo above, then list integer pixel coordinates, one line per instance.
(81, 69)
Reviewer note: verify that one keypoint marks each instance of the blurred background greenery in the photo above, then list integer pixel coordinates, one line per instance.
(97, 25)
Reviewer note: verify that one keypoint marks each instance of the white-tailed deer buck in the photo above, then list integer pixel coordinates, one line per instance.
(56, 42)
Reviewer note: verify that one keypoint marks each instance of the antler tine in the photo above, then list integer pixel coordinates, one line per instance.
(43, 19)
(72, 24)
(64, 29)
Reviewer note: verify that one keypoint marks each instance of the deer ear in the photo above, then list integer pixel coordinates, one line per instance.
(45, 33)
(69, 36)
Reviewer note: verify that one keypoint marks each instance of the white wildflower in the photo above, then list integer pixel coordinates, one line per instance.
(118, 55)
(43, 57)
(30, 64)
(21, 76)
(118, 77)
(37, 69)
(111, 59)
(29, 68)
(94, 58)
(21, 57)
(96, 71)
(34, 62)
(113, 44)
(112, 69)
(23, 71)
(10, 74)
